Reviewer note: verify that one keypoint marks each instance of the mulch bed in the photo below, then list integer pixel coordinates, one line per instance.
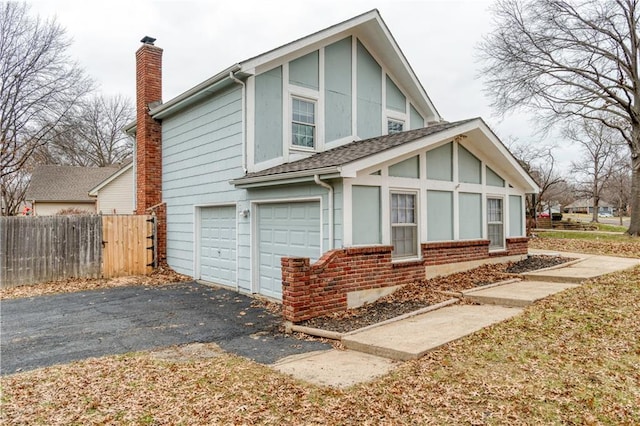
(428, 292)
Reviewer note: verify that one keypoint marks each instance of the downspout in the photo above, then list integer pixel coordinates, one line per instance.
(244, 166)
(323, 184)
(244, 121)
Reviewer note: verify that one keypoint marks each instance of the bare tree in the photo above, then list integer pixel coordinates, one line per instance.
(567, 59)
(95, 136)
(12, 190)
(600, 160)
(540, 163)
(619, 190)
(39, 87)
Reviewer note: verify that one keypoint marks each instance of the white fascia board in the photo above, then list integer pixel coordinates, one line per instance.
(94, 191)
(533, 186)
(283, 177)
(412, 75)
(303, 42)
(186, 98)
(351, 170)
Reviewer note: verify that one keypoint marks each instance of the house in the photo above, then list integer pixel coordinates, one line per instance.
(586, 206)
(321, 174)
(54, 189)
(114, 195)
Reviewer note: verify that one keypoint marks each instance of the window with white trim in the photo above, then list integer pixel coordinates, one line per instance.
(495, 223)
(404, 225)
(303, 123)
(394, 126)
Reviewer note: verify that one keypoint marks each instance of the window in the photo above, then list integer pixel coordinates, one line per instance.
(495, 226)
(404, 227)
(394, 126)
(303, 123)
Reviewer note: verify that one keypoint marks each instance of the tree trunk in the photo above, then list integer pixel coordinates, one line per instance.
(596, 202)
(634, 225)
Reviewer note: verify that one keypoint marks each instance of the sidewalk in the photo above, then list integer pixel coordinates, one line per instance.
(374, 351)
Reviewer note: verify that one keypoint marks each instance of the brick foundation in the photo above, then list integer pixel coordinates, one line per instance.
(312, 290)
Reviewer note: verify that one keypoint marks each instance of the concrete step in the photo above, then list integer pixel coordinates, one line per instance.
(516, 294)
(413, 337)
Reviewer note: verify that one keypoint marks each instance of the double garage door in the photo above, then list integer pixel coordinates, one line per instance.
(281, 229)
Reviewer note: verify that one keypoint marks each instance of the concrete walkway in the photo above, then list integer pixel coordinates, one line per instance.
(413, 337)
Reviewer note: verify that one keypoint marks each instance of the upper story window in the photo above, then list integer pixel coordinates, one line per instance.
(394, 126)
(303, 123)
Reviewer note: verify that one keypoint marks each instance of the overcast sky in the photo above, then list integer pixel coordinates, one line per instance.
(201, 38)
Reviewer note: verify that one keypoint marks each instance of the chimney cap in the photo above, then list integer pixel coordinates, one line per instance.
(148, 40)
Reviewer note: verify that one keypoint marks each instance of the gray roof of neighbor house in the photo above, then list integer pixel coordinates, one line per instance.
(66, 183)
(354, 151)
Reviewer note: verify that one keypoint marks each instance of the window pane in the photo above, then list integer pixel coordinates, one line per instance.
(394, 126)
(303, 126)
(404, 231)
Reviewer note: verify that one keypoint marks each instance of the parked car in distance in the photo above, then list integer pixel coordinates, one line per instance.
(543, 214)
(605, 214)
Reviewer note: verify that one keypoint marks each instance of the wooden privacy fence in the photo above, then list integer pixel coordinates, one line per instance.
(50, 248)
(128, 245)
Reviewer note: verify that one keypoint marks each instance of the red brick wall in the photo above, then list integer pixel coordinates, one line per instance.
(454, 251)
(517, 246)
(149, 139)
(310, 291)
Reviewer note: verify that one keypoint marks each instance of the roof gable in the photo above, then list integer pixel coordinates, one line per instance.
(347, 160)
(368, 27)
(127, 166)
(65, 183)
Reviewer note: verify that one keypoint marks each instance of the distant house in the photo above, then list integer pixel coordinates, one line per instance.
(586, 206)
(326, 150)
(57, 188)
(114, 195)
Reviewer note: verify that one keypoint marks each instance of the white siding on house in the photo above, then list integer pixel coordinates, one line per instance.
(201, 153)
(116, 197)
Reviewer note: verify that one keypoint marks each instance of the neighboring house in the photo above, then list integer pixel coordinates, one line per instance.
(115, 194)
(56, 188)
(327, 148)
(586, 206)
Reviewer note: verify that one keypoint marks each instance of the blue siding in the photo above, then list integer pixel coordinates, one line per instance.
(395, 99)
(304, 71)
(268, 115)
(417, 122)
(201, 152)
(337, 75)
(369, 75)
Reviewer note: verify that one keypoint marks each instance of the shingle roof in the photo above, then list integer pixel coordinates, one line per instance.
(66, 183)
(355, 150)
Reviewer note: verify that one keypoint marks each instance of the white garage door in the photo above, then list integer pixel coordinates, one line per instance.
(285, 229)
(218, 244)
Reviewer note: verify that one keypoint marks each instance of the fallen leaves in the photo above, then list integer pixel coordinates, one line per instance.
(629, 247)
(160, 276)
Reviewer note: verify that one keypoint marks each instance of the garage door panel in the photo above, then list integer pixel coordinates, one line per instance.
(218, 244)
(286, 229)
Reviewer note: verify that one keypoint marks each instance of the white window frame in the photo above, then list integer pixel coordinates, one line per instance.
(494, 223)
(315, 103)
(414, 225)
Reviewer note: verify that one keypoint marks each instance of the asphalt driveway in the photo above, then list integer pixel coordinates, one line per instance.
(46, 330)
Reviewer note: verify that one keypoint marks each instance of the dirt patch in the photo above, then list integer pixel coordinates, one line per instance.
(425, 293)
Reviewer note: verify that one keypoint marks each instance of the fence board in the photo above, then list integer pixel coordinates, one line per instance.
(125, 249)
(37, 249)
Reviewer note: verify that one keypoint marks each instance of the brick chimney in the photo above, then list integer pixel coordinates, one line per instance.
(149, 138)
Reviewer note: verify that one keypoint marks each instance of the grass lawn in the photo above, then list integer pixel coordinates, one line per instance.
(573, 358)
(587, 242)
